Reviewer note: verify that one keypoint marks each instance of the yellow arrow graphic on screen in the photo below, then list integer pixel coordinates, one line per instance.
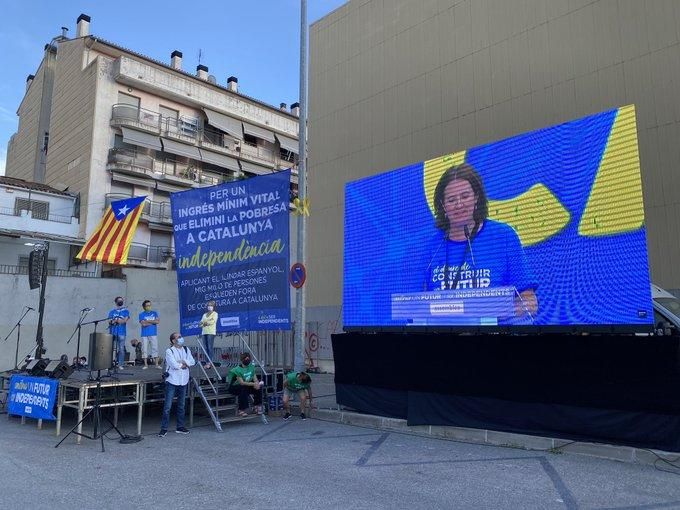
(615, 202)
(536, 214)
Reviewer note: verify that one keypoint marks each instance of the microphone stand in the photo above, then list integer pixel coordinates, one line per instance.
(17, 326)
(83, 314)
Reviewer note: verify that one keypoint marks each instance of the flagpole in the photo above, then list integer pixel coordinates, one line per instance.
(302, 191)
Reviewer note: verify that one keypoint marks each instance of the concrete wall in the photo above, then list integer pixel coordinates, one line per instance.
(21, 159)
(71, 124)
(392, 83)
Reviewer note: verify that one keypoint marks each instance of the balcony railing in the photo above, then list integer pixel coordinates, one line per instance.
(19, 270)
(153, 211)
(7, 211)
(190, 130)
(154, 254)
(130, 161)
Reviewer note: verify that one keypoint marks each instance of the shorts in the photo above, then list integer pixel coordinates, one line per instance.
(153, 341)
(291, 394)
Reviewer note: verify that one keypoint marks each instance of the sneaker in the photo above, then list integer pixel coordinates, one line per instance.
(302, 416)
(286, 416)
(144, 367)
(159, 367)
(182, 430)
(163, 433)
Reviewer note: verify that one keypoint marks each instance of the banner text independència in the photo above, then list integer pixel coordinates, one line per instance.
(244, 251)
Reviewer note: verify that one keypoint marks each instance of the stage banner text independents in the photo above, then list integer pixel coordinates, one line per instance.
(231, 244)
(33, 397)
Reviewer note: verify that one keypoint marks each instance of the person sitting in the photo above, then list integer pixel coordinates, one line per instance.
(297, 383)
(243, 383)
(139, 358)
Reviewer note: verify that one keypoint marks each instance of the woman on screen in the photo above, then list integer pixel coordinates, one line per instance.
(474, 252)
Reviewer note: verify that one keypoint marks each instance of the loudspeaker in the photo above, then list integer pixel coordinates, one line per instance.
(57, 369)
(35, 266)
(101, 351)
(37, 366)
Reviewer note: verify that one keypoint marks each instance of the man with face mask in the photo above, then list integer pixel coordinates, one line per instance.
(149, 320)
(118, 318)
(244, 382)
(178, 359)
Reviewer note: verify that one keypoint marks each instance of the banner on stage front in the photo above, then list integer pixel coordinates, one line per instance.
(231, 244)
(33, 397)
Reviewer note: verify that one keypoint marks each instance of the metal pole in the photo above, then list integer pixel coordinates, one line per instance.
(302, 190)
(41, 306)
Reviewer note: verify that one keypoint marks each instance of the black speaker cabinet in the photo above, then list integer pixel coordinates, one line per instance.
(37, 366)
(57, 369)
(101, 351)
(35, 267)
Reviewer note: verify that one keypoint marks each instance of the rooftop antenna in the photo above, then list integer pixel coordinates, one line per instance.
(200, 55)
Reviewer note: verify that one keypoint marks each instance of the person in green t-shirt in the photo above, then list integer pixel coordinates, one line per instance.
(243, 383)
(297, 383)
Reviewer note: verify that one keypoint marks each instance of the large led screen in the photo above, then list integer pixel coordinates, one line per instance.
(545, 228)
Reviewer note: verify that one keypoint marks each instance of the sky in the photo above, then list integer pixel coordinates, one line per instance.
(257, 41)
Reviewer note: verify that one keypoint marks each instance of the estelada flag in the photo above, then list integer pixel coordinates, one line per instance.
(110, 242)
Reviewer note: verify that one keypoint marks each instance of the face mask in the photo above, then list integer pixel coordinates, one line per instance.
(180, 341)
(119, 302)
(246, 361)
(210, 308)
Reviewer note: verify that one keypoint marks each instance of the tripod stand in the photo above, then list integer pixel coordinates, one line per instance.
(96, 412)
(83, 314)
(17, 326)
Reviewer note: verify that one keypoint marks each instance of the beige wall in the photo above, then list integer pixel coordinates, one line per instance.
(21, 157)
(71, 123)
(392, 83)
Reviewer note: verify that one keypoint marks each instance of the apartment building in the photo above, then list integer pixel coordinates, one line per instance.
(106, 122)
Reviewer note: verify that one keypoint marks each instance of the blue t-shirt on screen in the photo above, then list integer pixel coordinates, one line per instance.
(495, 258)
(119, 329)
(151, 329)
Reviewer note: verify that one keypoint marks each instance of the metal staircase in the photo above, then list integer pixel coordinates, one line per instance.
(213, 391)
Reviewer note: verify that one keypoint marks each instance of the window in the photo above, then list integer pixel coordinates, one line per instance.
(119, 143)
(128, 99)
(46, 142)
(250, 139)
(168, 113)
(40, 210)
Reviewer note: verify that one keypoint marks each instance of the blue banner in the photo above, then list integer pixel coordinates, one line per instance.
(231, 244)
(33, 397)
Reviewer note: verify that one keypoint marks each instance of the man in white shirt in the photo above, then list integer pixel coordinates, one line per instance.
(178, 359)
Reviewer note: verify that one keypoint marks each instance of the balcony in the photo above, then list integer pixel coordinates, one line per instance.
(150, 256)
(130, 162)
(153, 212)
(190, 130)
(39, 221)
(129, 115)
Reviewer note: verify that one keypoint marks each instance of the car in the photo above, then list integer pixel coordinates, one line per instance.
(666, 311)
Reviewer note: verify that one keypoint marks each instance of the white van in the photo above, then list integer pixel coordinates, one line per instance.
(666, 311)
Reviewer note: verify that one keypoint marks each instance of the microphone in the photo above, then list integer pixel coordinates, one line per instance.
(30, 308)
(87, 310)
(469, 240)
(427, 270)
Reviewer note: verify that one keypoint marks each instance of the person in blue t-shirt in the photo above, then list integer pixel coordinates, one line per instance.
(118, 318)
(473, 251)
(149, 320)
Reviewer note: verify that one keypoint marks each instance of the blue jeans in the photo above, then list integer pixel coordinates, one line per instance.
(119, 341)
(208, 343)
(170, 392)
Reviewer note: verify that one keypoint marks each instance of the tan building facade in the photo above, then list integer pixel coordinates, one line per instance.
(108, 123)
(393, 83)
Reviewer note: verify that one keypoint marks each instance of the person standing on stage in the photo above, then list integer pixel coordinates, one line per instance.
(149, 320)
(118, 318)
(300, 384)
(209, 330)
(244, 382)
(178, 359)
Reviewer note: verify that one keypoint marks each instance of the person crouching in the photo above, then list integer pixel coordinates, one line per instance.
(243, 383)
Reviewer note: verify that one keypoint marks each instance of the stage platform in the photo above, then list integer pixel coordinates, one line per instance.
(130, 387)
